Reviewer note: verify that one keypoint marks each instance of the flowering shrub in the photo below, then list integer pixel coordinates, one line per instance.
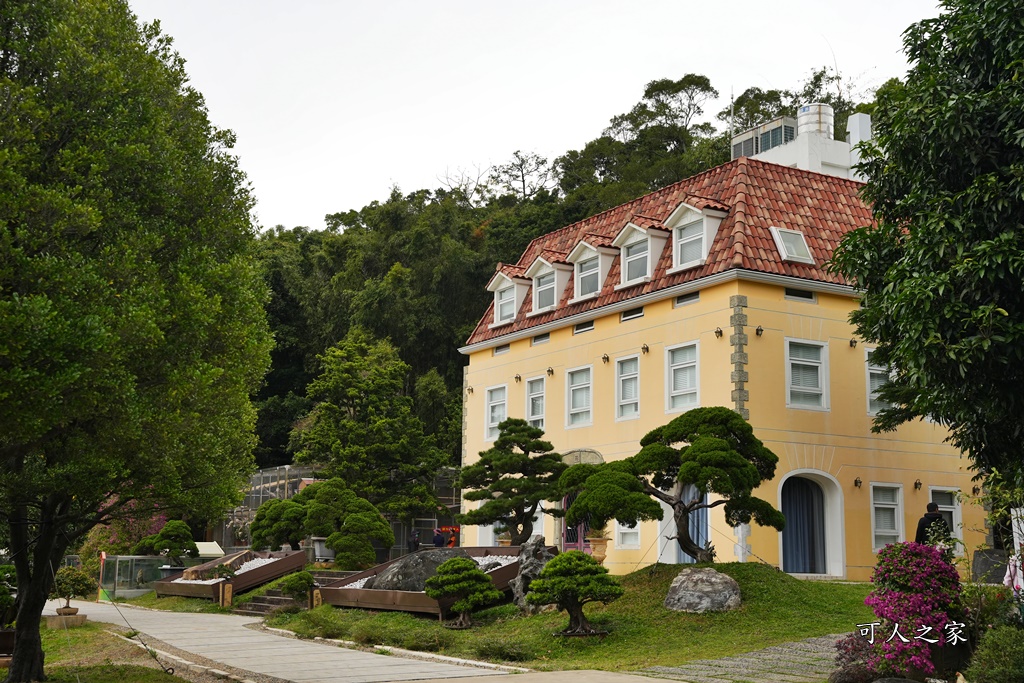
(917, 596)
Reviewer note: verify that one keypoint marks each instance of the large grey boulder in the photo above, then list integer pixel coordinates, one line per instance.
(412, 571)
(702, 590)
(533, 555)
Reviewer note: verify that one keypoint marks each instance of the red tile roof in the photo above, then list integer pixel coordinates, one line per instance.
(756, 195)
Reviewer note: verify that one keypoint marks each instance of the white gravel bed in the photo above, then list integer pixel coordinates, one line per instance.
(253, 564)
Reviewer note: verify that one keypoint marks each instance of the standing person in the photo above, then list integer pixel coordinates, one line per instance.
(438, 539)
(414, 542)
(933, 523)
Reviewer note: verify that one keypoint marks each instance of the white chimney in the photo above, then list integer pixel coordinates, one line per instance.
(858, 129)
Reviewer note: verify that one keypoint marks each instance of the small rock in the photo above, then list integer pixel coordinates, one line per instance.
(702, 590)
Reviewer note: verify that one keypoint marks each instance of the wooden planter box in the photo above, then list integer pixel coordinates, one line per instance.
(286, 562)
(408, 601)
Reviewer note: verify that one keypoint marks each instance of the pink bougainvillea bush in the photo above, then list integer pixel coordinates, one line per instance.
(917, 601)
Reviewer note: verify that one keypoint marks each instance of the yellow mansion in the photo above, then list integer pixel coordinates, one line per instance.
(714, 292)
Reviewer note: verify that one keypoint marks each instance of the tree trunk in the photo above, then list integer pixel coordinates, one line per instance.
(578, 623)
(27, 660)
(686, 543)
(464, 620)
(521, 533)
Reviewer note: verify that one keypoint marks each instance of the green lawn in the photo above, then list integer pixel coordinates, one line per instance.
(90, 653)
(776, 608)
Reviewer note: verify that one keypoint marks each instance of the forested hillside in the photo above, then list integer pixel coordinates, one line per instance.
(411, 270)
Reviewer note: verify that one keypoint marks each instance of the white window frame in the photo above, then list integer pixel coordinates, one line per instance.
(897, 506)
(631, 314)
(580, 328)
(538, 289)
(871, 369)
(812, 299)
(488, 402)
(669, 383)
(621, 531)
(957, 531)
(541, 339)
(569, 424)
(499, 301)
(627, 260)
(777, 235)
(501, 349)
(530, 416)
(620, 402)
(678, 242)
(579, 275)
(686, 299)
(823, 376)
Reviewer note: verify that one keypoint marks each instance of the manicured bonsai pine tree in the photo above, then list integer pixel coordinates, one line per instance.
(174, 541)
(348, 522)
(570, 581)
(461, 578)
(278, 521)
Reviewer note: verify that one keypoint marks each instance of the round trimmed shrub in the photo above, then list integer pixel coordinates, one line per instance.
(297, 585)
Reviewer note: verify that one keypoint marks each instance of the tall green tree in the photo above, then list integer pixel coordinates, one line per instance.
(512, 478)
(943, 268)
(131, 321)
(707, 450)
(363, 429)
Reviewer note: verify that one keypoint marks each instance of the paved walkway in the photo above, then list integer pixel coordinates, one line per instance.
(805, 661)
(226, 639)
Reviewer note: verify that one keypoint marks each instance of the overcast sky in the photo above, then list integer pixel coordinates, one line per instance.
(336, 102)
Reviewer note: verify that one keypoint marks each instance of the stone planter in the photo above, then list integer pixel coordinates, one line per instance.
(321, 552)
(599, 548)
(67, 611)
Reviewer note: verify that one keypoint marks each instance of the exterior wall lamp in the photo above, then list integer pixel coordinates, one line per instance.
(551, 372)
(645, 348)
(917, 485)
(853, 343)
(976, 490)
(518, 378)
(857, 482)
(759, 331)
(718, 332)
(469, 390)
(604, 358)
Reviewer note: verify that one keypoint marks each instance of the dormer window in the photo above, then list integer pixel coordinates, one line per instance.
(693, 231)
(549, 274)
(689, 241)
(640, 249)
(635, 258)
(587, 280)
(544, 291)
(792, 245)
(509, 290)
(591, 259)
(504, 305)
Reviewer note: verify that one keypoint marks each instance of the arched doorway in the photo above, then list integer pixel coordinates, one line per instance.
(575, 537)
(803, 539)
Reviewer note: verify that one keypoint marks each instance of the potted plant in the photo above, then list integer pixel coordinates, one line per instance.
(597, 536)
(8, 610)
(71, 582)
